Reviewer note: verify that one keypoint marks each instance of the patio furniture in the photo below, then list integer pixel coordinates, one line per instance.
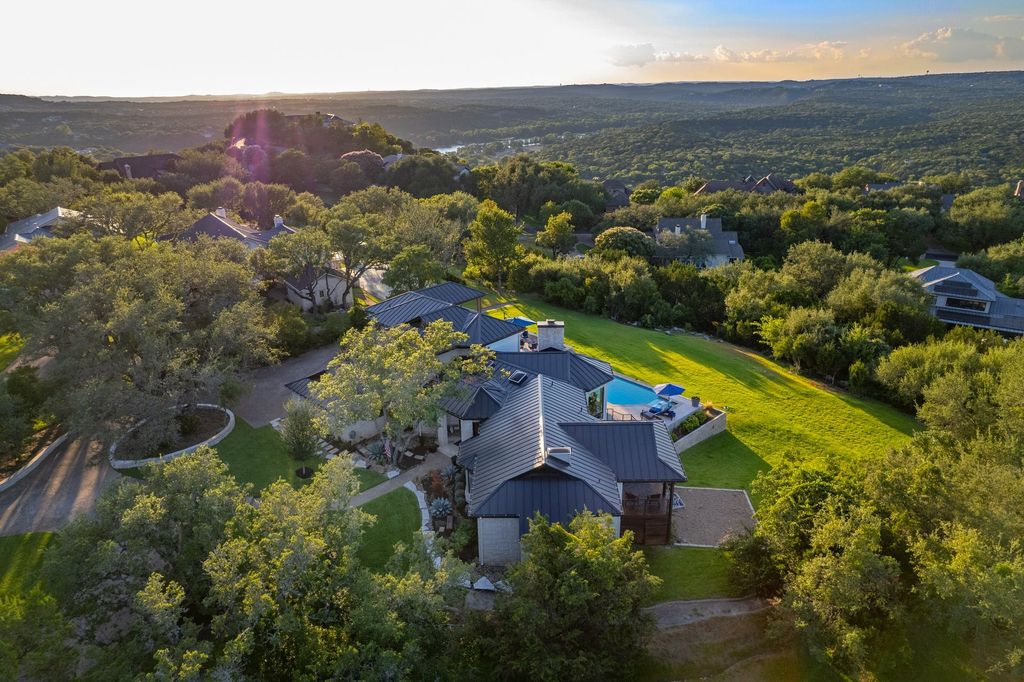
(668, 390)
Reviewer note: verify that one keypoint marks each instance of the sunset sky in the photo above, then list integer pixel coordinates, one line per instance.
(115, 47)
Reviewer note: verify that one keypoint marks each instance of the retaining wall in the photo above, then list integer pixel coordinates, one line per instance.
(711, 427)
(32, 464)
(213, 440)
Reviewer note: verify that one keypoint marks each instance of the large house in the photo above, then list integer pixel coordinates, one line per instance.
(618, 194)
(534, 435)
(965, 298)
(34, 227)
(299, 289)
(146, 166)
(720, 247)
(766, 185)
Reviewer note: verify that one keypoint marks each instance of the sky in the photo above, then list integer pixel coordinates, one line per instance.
(121, 48)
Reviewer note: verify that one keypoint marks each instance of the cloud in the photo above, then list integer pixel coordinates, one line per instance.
(640, 55)
(1004, 18)
(961, 45)
(826, 50)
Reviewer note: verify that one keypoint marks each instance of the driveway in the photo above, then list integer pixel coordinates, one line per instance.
(65, 485)
(267, 393)
(373, 284)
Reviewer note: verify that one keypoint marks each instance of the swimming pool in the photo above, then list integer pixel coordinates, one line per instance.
(625, 392)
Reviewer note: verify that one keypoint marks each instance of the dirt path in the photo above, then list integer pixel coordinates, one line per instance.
(671, 614)
(65, 485)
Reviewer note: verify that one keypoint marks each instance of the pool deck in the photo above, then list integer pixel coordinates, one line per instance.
(634, 412)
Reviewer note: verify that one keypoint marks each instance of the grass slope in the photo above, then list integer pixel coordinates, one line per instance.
(398, 519)
(10, 346)
(771, 411)
(20, 559)
(258, 456)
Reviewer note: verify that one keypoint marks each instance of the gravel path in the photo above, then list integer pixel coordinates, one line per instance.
(672, 614)
(710, 515)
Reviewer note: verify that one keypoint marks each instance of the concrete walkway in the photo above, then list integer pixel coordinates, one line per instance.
(65, 485)
(267, 392)
(671, 614)
(435, 460)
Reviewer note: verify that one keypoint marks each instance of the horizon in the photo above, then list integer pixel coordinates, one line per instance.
(460, 44)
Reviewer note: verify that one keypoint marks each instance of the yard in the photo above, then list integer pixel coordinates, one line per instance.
(20, 559)
(689, 573)
(772, 412)
(398, 519)
(257, 456)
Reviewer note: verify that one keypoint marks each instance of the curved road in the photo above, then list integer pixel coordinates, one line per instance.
(66, 484)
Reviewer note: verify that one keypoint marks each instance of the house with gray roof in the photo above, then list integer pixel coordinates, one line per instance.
(766, 185)
(700, 241)
(38, 226)
(963, 297)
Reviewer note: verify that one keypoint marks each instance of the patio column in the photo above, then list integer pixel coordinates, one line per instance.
(442, 429)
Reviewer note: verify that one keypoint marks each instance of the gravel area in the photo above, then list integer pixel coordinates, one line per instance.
(710, 515)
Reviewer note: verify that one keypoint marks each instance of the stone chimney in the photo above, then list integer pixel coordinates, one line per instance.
(550, 334)
(278, 221)
(128, 171)
(703, 221)
(221, 212)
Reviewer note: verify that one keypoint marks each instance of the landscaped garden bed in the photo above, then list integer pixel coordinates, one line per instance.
(690, 424)
(195, 426)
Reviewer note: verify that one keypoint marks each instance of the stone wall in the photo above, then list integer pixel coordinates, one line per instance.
(221, 435)
(712, 427)
(498, 541)
(32, 464)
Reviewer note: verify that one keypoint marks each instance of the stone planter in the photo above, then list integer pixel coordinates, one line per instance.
(213, 440)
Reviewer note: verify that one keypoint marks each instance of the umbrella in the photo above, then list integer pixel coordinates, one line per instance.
(521, 321)
(668, 390)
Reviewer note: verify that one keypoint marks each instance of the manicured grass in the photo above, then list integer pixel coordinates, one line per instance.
(10, 346)
(771, 411)
(689, 573)
(908, 266)
(258, 456)
(20, 559)
(398, 519)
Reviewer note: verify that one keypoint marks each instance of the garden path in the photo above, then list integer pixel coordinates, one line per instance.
(435, 460)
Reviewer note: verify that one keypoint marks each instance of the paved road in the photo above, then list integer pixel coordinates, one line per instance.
(672, 614)
(435, 460)
(267, 393)
(65, 485)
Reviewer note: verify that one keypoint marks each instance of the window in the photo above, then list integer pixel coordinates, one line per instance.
(965, 304)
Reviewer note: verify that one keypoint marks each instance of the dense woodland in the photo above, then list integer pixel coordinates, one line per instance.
(162, 322)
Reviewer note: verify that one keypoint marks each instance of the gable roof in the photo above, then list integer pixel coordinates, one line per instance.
(479, 327)
(145, 166)
(442, 302)
(766, 185)
(725, 243)
(514, 473)
(39, 225)
(1004, 313)
(218, 227)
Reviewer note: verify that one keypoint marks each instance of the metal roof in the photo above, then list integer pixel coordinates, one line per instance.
(556, 496)
(481, 328)
(213, 225)
(635, 451)
(1005, 313)
(451, 292)
(583, 372)
(404, 308)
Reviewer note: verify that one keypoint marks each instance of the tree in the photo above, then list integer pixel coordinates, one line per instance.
(307, 257)
(575, 609)
(414, 267)
(557, 235)
(493, 248)
(155, 328)
(132, 215)
(395, 373)
(302, 428)
(293, 168)
(644, 195)
(362, 229)
(261, 202)
(223, 193)
(628, 240)
(423, 175)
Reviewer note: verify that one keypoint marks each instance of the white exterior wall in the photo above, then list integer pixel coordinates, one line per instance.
(509, 344)
(324, 285)
(498, 541)
(465, 429)
(617, 524)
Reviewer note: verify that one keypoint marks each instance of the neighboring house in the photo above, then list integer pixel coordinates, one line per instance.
(34, 227)
(618, 194)
(766, 185)
(146, 166)
(300, 289)
(444, 302)
(963, 297)
(723, 245)
(533, 440)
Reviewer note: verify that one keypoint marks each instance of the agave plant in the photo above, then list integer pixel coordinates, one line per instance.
(440, 508)
(378, 453)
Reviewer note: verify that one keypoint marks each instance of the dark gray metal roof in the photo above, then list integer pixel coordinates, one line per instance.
(516, 440)
(220, 227)
(404, 308)
(480, 327)
(557, 497)
(1005, 313)
(635, 451)
(583, 372)
(451, 292)
(724, 243)
(474, 401)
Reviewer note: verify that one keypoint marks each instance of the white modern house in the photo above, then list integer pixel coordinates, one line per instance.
(963, 297)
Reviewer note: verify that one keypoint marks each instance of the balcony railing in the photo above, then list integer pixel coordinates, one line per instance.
(650, 506)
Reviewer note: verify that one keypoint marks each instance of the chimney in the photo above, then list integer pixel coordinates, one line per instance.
(220, 212)
(128, 171)
(703, 221)
(278, 221)
(551, 334)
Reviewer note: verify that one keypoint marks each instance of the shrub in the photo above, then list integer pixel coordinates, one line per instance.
(188, 424)
(301, 428)
(378, 453)
(440, 508)
(358, 317)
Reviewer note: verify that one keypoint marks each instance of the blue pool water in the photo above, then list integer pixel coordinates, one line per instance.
(624, 392)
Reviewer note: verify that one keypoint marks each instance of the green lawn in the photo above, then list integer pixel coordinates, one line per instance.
(909, 266)
(398, 519)
(258, 456)
(771, 411)
(10, 346)
(20, 559)
(689, 573)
